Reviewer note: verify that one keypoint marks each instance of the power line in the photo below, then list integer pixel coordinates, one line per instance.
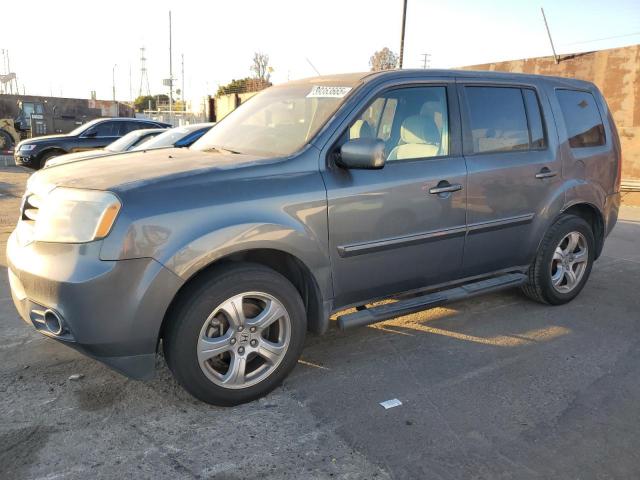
(603, 38)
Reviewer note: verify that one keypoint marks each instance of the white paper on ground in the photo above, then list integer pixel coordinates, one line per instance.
(394, 402)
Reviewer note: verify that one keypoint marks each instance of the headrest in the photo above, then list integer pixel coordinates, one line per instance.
(419, 129)
(360, 129)
(431, 107)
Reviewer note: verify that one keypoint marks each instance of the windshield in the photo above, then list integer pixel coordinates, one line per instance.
(278, 121)
(123, 143)
(166, 139)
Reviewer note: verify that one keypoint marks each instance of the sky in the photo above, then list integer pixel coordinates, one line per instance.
(69, 48)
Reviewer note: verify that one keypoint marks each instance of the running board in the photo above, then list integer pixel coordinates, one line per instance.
(430, 300)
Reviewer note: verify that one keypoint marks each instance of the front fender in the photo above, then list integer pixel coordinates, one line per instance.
(205, 250)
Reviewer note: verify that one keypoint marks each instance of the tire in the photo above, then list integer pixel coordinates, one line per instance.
(46, 156)
(6, 141)
(193, 332)
(549, 280)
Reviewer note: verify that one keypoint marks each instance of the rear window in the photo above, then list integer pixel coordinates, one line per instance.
(582, 118)
(504, 119)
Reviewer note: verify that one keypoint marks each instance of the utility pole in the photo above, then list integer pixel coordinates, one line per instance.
(425, 59)
(113, 80)
(130, 86)
(170, 74)
(556, 58)
(182, 79)
(404, 21)
(113, 86)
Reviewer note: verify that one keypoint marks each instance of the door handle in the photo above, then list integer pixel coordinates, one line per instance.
(545, 173)
(445, 187)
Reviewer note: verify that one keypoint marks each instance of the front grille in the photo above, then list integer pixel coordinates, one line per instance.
(30, 207)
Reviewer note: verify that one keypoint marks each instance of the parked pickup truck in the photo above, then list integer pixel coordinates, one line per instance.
(317, 195)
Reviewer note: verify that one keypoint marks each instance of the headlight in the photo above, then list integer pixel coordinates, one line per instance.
(26, 148)
(69, 215)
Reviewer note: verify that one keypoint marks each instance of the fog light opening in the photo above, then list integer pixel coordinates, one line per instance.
(53, 322)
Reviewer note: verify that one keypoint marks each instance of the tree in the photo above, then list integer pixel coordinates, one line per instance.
(260, 66)
(383, 59)
(144, 102)
(243, 85)
(150, 102)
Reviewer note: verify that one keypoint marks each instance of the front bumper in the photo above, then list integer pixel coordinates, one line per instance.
(110, 310)
(23, 159)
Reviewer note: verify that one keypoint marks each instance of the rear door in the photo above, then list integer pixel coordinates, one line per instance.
(511, 151)
(390, 231)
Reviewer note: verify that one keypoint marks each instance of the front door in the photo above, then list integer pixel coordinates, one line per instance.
(100, 135)
(514, 173)
(401, 227)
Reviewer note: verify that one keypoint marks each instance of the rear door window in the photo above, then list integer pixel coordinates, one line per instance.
(498, 119)
(582, 118)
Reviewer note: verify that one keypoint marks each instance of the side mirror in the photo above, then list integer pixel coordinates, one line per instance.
(362, 153)
(90, 134)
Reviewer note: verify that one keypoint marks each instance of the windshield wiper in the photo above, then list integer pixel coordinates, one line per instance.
(222, 150)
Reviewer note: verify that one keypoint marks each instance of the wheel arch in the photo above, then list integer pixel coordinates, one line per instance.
(593, 216)
(47, 150)
(283, 262)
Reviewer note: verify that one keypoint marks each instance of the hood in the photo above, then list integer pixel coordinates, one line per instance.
(74, 157)
(43, 140)
(136, 168)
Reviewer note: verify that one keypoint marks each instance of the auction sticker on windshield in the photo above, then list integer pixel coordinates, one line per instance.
(320, 91)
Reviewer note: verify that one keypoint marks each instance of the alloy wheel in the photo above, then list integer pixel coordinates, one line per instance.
(244, 340)
(569, 262)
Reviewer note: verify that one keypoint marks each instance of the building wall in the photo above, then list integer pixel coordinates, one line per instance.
(223, 105)
(616, 72)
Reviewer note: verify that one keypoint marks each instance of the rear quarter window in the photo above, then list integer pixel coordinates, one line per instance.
(582, 118)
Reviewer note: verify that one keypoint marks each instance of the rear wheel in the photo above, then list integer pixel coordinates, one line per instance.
(563, 263)
(235, 334)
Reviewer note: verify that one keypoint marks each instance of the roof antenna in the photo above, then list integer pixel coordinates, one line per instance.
(312, 66)
(557, 59)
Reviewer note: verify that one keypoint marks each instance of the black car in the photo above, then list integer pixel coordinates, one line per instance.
(124, 144)
(34, 152)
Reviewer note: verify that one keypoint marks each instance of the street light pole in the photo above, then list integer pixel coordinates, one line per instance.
(404, 21)
(113, 86)
(170, 74)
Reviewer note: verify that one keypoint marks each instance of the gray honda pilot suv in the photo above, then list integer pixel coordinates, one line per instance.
(317, 195)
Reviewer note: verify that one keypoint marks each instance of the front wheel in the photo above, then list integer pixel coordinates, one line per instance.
(47, 156)
(563, 263)
(235, 334)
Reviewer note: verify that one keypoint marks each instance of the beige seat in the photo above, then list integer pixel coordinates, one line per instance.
(433, 109)
(420, 138)
(360, 129)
